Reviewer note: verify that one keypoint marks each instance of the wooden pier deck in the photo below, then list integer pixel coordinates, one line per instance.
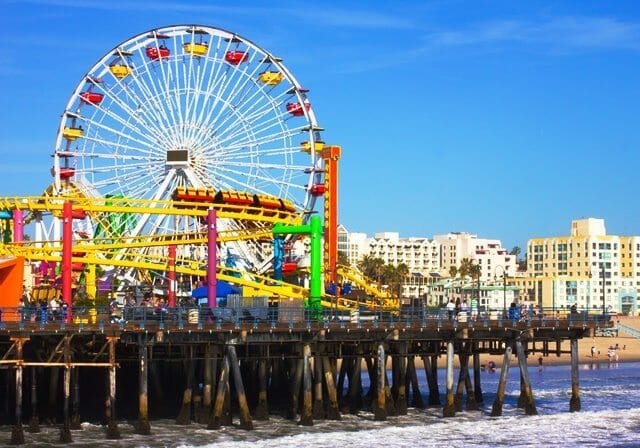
(208, 370)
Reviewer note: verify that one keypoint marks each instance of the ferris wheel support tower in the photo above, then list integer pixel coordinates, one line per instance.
(331, 156)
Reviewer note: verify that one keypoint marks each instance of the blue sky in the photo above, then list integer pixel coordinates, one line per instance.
(506, 119)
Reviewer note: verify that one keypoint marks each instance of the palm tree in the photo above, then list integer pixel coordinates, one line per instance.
(343, 260)
(453, 272)
(371, 267)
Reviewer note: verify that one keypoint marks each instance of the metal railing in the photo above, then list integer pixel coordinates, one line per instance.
(131, 317)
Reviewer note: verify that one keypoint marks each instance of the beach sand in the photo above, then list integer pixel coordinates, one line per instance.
(629, 350)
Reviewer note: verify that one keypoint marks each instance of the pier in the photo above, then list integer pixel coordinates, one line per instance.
(195, 367)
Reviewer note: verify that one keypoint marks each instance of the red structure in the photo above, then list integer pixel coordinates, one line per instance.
(235, 57)
(331, 156)
(155, 53)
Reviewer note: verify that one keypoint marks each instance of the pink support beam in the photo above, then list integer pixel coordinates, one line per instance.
(212, 236)
(18, 226)
(171, 266)
(67, 243)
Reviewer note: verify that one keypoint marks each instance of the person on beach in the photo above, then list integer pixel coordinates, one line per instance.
(540, 366)
(593, 351)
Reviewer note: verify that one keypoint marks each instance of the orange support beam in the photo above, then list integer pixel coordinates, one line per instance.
(331, 155)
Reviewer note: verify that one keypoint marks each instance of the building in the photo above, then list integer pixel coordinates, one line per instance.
(495, 261)
(588, 268)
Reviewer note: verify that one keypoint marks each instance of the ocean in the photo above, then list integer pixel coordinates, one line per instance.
(610, 416)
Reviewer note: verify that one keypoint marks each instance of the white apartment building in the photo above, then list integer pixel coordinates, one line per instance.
(421, 255)
(494, 260)
(354, 245)
(588, 268)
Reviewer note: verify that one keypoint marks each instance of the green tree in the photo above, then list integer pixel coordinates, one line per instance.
(343, 260)
(372, 267)
(453, 271)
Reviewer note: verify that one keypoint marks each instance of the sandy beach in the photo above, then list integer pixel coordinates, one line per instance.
(629, 350)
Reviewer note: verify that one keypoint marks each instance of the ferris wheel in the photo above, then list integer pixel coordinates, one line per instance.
(189, 106)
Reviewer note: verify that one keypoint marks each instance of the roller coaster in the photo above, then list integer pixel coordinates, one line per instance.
(170, 125)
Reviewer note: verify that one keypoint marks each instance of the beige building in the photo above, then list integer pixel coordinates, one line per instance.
(494, 260)
(588, 268)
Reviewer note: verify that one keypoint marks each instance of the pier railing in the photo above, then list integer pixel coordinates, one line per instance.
(197, 317)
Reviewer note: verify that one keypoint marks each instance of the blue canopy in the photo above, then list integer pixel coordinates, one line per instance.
(223, 289)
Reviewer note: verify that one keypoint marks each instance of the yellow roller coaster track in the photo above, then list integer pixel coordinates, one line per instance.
(102, 251)
(143, 206)
(362, 281)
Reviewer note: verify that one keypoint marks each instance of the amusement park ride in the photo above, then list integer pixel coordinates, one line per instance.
(186, 151)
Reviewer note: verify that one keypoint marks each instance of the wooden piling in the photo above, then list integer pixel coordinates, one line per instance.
(496, 411)
(223, 383)
(34, 422)
(245, 415)
(412, 376)
(17, 433)
(449, 409)
(75, 399)
(355, 386)
(262, 408)
(463, 360)
(574, 403)
(65, 430)
(294, 391)
(388, 397)
(379, 407)
(318, 406)
(401, 390)
(110, 409)
(333, 412)
(184, 416)
(477, 386)
(434, 397)
(202, 413)
(142, 425)
(526, 391)
(306, 417)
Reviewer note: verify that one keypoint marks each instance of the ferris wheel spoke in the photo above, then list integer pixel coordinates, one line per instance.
(259, 141)
(151, 151)
(255, 176)
(131, 113)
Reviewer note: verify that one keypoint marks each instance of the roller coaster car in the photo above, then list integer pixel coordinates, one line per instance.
(238, 198)
(269, 204)
(191, 194)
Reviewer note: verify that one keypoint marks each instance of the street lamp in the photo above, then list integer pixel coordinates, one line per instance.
(504, 287)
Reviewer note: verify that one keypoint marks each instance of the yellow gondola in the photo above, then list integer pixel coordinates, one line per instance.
(196, 49)
(270, 78)
(306, 146)
(120, 71)
(72, 134)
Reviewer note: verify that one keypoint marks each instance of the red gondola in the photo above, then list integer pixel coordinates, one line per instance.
(154, 53)
(67, 173)
(235, 57)
(296, 110)
(91, 97)
(317, 189)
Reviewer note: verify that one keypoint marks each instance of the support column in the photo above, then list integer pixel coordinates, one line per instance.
(463, 359)
(574, 404)
(401, 400)
(477, 389)
(34, 423)
(526, 391)
(504, 371)
(332, 410)
(112, 425)
(306, 419)
(245, 415)
(262, 409)
(355, 386)
(449, 407)
(379, 407)
(75, 399)
(434, 395)
(67, 244)
(184, 417)
(171, 275)
(223, 384)
(65, 430)
(142, 426)
(18, 226)
(202, 415)
(17, 433)
(416, 396)
(318, 406)
(212, 258)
